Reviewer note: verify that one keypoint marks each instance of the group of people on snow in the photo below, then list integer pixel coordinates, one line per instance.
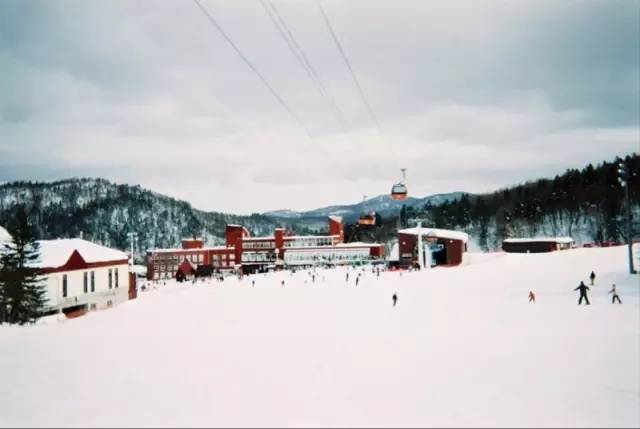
(583, 288)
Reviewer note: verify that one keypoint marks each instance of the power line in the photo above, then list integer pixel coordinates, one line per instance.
(301, 57)
(353, 75)
(252, 67)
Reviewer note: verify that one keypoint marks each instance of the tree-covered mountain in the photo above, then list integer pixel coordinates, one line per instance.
(586, 204)
(105, 212)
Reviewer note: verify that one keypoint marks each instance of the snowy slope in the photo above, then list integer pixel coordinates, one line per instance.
(462, 348)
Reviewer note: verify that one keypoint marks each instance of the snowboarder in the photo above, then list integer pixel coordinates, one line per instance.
(592, 276)
(395, 299)
(532, 297)
(583, 293)
(615, 295)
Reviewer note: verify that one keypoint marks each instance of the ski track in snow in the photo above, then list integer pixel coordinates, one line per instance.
(462, 348)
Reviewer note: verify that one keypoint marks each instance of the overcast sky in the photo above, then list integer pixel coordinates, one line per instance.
(470, 96)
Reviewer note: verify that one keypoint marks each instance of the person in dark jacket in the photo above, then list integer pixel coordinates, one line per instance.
(532, 297)
(583, 288)
(592, 277)
(395, 299)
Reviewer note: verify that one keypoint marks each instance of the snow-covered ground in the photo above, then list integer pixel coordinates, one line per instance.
(462, 348)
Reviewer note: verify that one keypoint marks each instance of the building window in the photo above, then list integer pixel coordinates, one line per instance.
(110, 279)
(92, 307)
(93, 281)
(64, 285)
(110, 303)
(116, 273)
(85, 281)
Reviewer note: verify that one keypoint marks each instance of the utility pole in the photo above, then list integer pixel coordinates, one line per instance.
(623, 179)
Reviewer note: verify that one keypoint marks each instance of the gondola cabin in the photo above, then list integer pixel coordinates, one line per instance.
(399, 192)
(367, 219)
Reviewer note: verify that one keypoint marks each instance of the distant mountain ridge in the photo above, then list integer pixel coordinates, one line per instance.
(382, 204)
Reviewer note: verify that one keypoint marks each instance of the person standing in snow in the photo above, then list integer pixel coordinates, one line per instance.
(347, 276)
(583, 288)
(615, 295)
(253, 283)
(282, 283)
(592, 276)
(357, 279)
(395, 299)
(532, 297)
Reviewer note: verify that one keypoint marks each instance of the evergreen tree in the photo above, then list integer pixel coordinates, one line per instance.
(22, 295)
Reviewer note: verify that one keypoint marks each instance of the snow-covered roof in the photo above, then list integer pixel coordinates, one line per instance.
(56, 253)
(357, 244)
(336, 218)
(5, 237)
(181, 250)
(258, 238)
(540, 240)
(304, 237)
(439, 233)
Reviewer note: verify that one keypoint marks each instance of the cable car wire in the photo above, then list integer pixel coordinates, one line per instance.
(353, 76)
(253, 68)
(297, 51)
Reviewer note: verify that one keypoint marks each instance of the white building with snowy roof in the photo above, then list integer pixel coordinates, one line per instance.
(82, 276)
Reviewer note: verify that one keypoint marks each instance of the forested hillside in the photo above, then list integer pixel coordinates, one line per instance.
(106, 212)
(586, 204)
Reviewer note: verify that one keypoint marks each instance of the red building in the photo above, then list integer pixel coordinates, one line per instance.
(252, 254)
(536, 245)
(441, 246)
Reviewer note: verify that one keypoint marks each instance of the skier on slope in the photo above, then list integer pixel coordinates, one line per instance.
(615, 295)
(592, 277)
(532, 297)
(583, 293)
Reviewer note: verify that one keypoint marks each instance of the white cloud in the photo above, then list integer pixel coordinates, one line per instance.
(471, 97)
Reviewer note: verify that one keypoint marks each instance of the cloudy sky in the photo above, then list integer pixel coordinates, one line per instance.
(469, 96)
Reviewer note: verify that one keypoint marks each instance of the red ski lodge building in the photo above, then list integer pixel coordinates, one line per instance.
(256, 254)
(536, 245)
(441, 246)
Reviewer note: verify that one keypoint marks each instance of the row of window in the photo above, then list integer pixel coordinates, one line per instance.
(309, 242)
(196, 258)
(258, 244)
(89, 281)
(258, 256)
(350, 255)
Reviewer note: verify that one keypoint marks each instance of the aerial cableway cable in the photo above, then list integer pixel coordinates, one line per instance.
(297, 51)
(353, 76)
(262, 78)
(253, 68)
